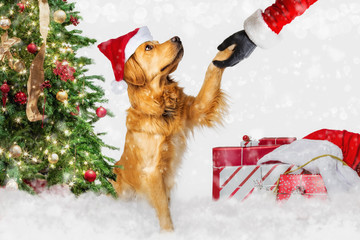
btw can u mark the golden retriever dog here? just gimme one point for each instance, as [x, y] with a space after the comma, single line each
[159, 120]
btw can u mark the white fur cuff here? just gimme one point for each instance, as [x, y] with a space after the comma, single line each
[259, 32]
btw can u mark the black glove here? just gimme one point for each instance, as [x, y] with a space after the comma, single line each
[244, 47]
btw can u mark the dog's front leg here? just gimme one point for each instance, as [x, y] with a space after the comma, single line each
[156, 193]
[207, 107]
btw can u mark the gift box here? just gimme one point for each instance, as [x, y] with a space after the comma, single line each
[276, 141]
[306, 185]
[236, 156]
[239, 182]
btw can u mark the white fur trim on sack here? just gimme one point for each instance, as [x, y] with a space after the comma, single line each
[259, 32]
[143, 35]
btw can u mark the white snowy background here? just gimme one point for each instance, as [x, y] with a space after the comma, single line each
[311, 80]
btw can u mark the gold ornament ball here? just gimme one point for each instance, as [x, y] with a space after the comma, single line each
[5, 23]
[59, 16]
[53, 158]
[15, 151]
[19, 66]
[62, 96]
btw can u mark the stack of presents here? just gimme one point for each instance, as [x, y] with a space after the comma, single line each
[237, 175]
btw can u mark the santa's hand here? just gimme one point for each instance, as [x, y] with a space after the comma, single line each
[244, 47]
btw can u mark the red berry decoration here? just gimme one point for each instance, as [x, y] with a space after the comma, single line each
[74, 20]
[32, 48]
[20, 98]
[90, 175]
[246, 138]
[101, 112]
[21, 7]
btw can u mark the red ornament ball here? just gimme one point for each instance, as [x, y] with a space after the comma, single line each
[101, 112]
[90, 175]
[246, 138]
[32, 48]
[21, 7]
[20, 98]
[5, 88]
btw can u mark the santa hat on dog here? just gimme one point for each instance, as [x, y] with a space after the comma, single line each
[119, 50]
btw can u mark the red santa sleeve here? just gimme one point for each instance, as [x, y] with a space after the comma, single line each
[263, 27]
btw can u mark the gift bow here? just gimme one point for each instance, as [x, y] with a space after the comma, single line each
[5, 46]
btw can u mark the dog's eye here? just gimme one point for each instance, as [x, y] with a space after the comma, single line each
[149, 47]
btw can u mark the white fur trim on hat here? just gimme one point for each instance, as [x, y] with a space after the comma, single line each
[143, 35]
[259, 32]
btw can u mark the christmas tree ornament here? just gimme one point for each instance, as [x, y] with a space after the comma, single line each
[90, 175]
[32, 48]
[246, 138]
[12, 185]
[101, 112]
[21, 7]
[6, 44]
[74, 20]
[15, 151]
[5, 89]
[5, 23]
[19, 66]
[59, 16]
[64, 71]
[20, 98]
[62, 96]
[53, 158]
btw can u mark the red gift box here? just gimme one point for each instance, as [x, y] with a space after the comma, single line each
[236, 156]
[276, 141]
[240, 182]
[306, 185]
[236, 175]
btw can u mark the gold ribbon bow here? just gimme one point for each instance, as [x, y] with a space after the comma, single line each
[5, 46]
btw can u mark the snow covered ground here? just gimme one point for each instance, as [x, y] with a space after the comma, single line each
[310, 81]
[25, 217]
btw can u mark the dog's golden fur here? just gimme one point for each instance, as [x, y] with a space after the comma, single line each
[159, 120]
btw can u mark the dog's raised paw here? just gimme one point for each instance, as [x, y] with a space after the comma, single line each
[223, 55]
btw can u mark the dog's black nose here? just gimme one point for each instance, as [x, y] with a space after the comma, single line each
[175, 39]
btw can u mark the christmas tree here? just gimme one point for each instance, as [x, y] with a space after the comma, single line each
[49, 105]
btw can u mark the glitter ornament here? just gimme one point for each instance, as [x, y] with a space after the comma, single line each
[62, 96]
[53, 158]
[15, 151]
[20, 98]
[5, 23]
[59, 16]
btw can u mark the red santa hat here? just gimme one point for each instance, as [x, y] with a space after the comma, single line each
[119, 50]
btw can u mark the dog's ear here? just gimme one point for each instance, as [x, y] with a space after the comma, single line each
[133, 73]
